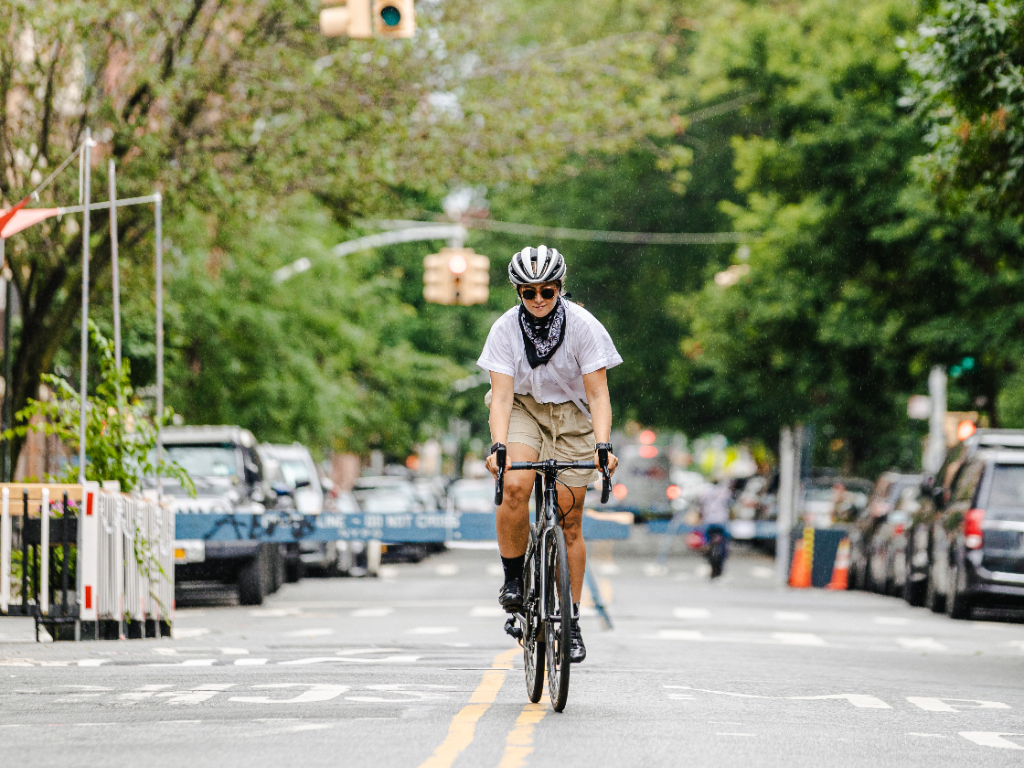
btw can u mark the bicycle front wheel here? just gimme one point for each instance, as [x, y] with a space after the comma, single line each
[533, 639]
[557, 617]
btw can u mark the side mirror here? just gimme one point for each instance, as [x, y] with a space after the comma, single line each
[302, 484]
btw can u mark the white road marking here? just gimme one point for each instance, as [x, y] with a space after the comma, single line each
[860, 700]
[680, 696]
[735, 734]
[196, 695]
[186, 663]
[608, 569]
[185, 633]
[791, 616]
[313, 632]
[92, 662]
[892, 621]
[433, 631]
[930, 704]
[691, 613]
[166, 651]
[680, 634]
[234, 651]
[495, 569]
[372, 613]
[799, 638]
[1018, 644]
[250, 662]
[702, 570]
[488, 611]
[928, 735]
[762, 572]
[992, 739]
[653, 569]
[275, 613]
[447, 569]
[921, 643]
[388, 572]
[395, 659]
[316, 692]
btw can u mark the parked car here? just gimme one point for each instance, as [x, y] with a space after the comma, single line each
[472, 495]
[936, 494]
[393, 494]
[877, 541]
[830, 499]
[977, 549]
[293, 476]
[227, 471]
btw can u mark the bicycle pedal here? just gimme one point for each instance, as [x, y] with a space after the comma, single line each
[513, 629]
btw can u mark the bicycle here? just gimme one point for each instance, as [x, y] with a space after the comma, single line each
[544, 626]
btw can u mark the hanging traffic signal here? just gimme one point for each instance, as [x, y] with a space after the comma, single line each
[395, 18]
[351, 19]
[456, 276]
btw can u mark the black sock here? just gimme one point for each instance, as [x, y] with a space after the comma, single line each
[575, 610]
[513, 567]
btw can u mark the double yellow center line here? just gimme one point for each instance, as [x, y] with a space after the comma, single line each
[518, 743]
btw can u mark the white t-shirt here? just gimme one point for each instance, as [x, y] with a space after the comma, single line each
[586, 348]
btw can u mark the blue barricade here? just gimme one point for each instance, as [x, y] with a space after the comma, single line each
[394, 528]
[742, 530]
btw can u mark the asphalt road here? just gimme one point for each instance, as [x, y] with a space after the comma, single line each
[413, 669]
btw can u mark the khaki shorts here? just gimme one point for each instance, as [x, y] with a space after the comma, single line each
[557, 431]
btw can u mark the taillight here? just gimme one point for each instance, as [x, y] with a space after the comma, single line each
[619, 491]
[973, 534]
[673, 492]
[898, 530]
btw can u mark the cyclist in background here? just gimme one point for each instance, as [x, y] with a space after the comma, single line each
[548, 359]
[714, 509]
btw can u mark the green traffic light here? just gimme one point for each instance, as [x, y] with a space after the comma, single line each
[391, 16]
[967, 363]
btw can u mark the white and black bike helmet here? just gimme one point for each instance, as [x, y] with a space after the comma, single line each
[536, 265]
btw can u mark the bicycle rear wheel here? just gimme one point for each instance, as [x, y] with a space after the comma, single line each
[557, 617]
[533, 639]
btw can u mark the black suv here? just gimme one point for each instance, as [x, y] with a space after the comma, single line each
[968, 537]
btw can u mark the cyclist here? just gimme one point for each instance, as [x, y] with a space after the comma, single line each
[714, 507]
[548, 359]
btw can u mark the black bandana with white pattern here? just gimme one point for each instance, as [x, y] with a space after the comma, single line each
[542, 335]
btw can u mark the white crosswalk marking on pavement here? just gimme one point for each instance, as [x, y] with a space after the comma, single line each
[691, 613]
[921, 643]
[314, 693]
[372, 613]
[791, 616]
[799, 638]
[892, 621]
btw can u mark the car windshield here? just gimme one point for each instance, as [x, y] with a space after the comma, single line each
[1007, 486]
[205, 460]
[294, 471]
[385, 501]
[473, 491]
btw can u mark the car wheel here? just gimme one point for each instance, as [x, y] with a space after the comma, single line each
[958, 604]
[934, 599]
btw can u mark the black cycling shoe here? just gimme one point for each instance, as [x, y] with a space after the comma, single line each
[511, 595]
[577, 650]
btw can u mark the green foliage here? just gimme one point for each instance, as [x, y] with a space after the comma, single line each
[968, 62]
[120, 431]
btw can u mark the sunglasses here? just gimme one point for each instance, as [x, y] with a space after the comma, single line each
[529, 294]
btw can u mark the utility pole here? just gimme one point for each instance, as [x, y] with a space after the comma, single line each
[784, 504]
[935, 451]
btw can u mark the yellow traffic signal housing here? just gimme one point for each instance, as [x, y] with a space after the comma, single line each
[352, 19]
[394, 18]
[456, 276]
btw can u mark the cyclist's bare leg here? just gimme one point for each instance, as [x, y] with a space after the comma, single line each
[574, 544]
[513, 521]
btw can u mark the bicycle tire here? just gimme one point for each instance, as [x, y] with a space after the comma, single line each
[533, 643]
[558, 601]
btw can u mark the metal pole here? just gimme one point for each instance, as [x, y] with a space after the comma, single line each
[936, 450]
[784, 518]
[115, 266]
[7, 414]
[86, 186]
[159, 338]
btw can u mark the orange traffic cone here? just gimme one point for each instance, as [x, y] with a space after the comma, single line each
[841, 570]
[800, 569]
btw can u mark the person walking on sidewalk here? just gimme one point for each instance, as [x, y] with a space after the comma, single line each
[548, 359]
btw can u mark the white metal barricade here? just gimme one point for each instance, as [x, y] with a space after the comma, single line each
[125, 564]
